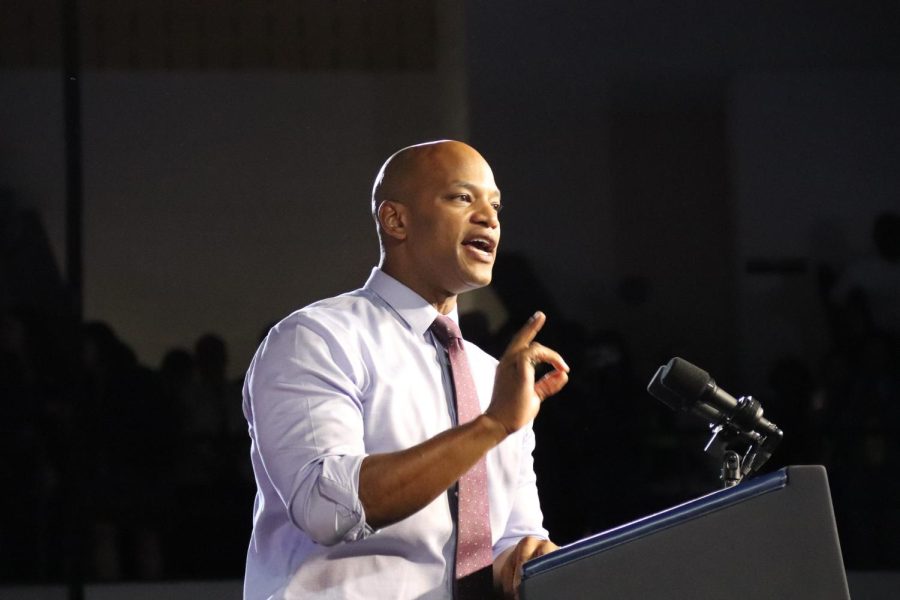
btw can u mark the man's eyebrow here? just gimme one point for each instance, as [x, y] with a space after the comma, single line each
[471, 186]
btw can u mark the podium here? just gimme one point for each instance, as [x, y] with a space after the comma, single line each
[773, 536]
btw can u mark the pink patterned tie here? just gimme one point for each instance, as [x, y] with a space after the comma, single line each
[473, 537]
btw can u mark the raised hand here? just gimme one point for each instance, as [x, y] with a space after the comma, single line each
[517, 396]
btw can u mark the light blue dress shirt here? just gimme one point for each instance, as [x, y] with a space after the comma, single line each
[345, 377]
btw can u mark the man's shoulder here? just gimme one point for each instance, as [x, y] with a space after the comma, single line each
[349, 310]
[333, 323]
[349, 302]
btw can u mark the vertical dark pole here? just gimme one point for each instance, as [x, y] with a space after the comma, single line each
[72, 99]
[75, 546]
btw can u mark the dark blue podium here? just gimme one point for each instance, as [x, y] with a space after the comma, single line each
[769, 537]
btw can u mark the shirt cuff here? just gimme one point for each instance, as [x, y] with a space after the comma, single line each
[334, 512]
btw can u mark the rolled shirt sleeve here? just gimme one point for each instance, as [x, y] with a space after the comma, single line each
[306, 422]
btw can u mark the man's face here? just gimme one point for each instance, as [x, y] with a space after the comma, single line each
[453, 228]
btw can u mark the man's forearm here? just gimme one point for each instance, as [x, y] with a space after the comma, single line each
[395, 485]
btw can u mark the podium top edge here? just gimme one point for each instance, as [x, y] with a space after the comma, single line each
[669, 517]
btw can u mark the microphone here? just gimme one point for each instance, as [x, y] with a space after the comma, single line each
[687, 388]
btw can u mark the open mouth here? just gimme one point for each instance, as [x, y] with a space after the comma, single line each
[482, 244]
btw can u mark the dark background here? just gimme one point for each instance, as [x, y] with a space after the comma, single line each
[699, 181]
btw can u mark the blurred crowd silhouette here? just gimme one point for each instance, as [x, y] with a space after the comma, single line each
[133, 473]
[114, 470]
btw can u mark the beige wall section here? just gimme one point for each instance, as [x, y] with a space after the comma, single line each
[188, 171]
[32, 154]
[225, 186]
[254, 184]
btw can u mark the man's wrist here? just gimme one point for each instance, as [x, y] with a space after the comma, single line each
[493, 428]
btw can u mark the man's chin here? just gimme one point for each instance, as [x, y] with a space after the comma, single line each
[477, 280]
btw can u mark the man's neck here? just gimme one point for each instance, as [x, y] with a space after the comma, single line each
[443, 302]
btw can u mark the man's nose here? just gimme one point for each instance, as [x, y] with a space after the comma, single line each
[486, 214]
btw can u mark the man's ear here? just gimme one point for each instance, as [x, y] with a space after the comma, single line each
[392, 218]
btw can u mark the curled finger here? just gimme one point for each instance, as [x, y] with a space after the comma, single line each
[550, 384]
[539, 354]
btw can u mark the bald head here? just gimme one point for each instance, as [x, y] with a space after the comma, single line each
[403, 174]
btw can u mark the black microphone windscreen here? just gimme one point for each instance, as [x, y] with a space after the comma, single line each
[664, 394]
[684, 379]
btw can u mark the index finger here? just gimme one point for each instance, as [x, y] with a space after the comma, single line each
[528, 332]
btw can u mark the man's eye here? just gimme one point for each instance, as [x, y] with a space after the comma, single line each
[464, 197]
[497, 206]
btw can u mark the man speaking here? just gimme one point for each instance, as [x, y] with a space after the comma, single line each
[393, 458]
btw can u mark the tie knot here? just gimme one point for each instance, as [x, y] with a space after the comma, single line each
[445, 329]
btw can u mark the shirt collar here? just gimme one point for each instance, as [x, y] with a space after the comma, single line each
[412, 308]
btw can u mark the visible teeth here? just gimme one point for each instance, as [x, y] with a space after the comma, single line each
[481, 244]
